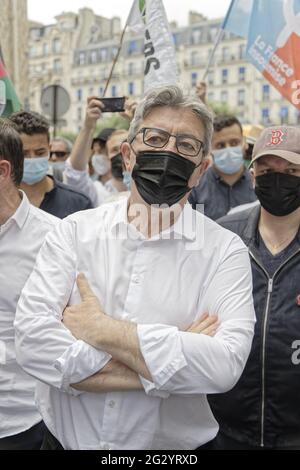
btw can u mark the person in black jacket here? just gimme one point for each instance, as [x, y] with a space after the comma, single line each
[262, 411]
[43, 190]
[227, 183]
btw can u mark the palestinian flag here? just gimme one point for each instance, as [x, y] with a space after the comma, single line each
[9, 102]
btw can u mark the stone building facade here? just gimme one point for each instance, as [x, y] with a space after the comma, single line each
[14, 43]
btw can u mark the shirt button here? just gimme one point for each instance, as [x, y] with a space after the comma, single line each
[112, 404]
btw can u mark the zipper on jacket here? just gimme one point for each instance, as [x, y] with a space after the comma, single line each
[266, 316]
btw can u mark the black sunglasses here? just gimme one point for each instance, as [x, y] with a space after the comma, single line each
[59, 154]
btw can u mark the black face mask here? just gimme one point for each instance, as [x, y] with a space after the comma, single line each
[117, 166]
[162, 177]
[278, 193]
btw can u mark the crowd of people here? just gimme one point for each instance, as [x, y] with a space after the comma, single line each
[149, 281]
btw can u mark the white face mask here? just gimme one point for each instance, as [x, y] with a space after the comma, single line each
[101, 164]
[60, 166]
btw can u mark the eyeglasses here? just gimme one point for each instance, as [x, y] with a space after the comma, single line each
[59, 154]
[158, 138]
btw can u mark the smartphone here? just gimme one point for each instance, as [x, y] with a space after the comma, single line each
[113, 105]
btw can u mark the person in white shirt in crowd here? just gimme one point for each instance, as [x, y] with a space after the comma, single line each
[99, 165]
[162, 311]
[60, 151]
[77, 173]
[22, 231]
[121, 180]
[96, 186]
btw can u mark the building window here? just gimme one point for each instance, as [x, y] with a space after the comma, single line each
[196, 36]
[213, 32]
[103, 55]
[79, 114]
[57, 66]
[81, 58]
[91, 91]
[224, 76]
[94, 57]
[211, 96]
[265, 116]
[46, 49]
[32, 51]
[194, 78]
[114, 90]
[224, 96]
[266, 92]
[79, 94]
[114, 52]
[131, 88]
[225, 54]
[284, 115]
[242, 74]
[241, 98]
[175, 39]
[210, 77]
[133, 47]
[101, 90]
[56, 46]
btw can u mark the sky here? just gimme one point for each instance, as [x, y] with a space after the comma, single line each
[176, 9]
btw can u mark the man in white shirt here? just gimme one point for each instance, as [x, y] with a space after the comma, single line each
[129, 367]
[22, 231]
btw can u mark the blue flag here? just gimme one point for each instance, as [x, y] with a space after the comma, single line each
[272, 30]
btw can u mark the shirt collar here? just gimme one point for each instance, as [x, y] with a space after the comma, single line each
[21, 214]
[184, 226]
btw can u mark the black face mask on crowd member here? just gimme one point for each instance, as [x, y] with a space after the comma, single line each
[278, 193]
[162, 177]
[117, 166]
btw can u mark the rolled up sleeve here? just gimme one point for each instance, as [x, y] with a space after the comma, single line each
[189, 363]
[81, 181]
[45, 348]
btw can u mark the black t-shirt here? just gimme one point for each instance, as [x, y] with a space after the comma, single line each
[272, 262]
[63, 200]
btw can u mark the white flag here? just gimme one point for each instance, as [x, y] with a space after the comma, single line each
[148, 17]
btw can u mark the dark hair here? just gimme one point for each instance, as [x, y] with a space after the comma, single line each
[11, 149]
[30, 123]
[226, 120]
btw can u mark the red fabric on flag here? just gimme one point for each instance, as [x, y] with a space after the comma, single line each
[291, 56]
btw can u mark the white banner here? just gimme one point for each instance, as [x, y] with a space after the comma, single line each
[148, 17]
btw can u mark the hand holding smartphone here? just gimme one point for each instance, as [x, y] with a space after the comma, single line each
[113, 105]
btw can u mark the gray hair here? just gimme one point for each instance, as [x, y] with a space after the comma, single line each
[67, 142]
[173, 96]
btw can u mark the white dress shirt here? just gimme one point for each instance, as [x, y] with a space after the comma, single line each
[21, 238]
[81, 181]
[161, 284]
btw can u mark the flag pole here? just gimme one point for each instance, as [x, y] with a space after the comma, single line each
[219, 38]
[115, 59]
[120, 47]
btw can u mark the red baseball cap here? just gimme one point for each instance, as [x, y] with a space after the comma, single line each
[281, 141]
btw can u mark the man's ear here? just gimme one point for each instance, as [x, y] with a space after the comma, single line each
[196, 176]
[5, 169]
[126, 155]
